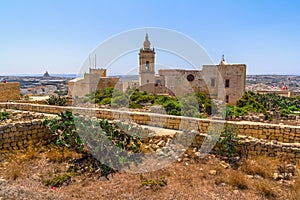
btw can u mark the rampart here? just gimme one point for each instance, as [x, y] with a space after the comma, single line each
[9, 91]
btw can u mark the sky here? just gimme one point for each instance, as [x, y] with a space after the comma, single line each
[59, 35]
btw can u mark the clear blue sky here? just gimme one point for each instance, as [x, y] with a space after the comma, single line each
[58, 35]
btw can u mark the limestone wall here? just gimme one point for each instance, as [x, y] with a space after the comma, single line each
[257, 138]
[9, 91]
[280, 133]
[17, 135]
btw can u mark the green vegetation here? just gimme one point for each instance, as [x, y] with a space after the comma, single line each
[58, 180]
[189, 105]
[4, 116]
[99, 137]
[153, 183]
[228, 141]
[64, 128]
[56, 100]
[263, 103]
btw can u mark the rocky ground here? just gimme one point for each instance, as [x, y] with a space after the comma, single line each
[35, 173]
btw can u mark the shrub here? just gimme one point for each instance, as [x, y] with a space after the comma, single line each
[228, 141]
[4, 115]
[293, 108]
[56, 100]
[285, 113]
[63, 127]
[100, 137]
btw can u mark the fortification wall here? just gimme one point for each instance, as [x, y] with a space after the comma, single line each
[9, 91]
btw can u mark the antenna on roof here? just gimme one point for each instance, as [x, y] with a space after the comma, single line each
[90, 61]
[95, 60]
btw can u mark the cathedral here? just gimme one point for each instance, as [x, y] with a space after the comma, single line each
[225, 82]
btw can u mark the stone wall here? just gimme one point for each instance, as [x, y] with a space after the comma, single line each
[19, 134]
[280, 133]
[250, 146]
[9, 91]
[258, 138]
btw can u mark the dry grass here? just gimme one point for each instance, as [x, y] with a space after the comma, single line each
[238, 179]
[234, 178]
[15, 171]
[295, 190]
[186, 180]
[266, 188]
[60, 154]
[261, 165]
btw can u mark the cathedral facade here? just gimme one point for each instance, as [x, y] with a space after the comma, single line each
[225, 82]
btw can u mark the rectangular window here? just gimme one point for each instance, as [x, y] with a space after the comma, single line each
[227, 99]
[227, 83]
[213, 82]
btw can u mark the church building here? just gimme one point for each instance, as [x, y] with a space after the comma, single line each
[225, 82]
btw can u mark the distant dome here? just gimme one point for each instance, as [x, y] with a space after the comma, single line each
[46, 74]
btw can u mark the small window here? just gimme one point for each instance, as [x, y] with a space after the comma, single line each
[227, 83]
[227, 99]
[147, 65]
[147, 81]
[213, 82]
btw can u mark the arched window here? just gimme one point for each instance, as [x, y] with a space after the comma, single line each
[147, 65]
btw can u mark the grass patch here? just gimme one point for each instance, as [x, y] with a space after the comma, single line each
[58, 180]
[261, 165]
[15, 171]
[153, 183]
[266, 188]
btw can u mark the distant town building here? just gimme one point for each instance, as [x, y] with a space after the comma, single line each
[94, 80]
[46, 75]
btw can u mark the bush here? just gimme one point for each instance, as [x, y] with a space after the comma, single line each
[4, 116]
[56, 100]
[285, 113]
[97, 136]
[63, 127]
[228, 141]
[293, 108]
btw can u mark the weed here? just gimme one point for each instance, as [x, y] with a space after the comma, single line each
[153, 183]
[58, 180]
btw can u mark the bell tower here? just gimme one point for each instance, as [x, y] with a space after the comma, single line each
[146, 66]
